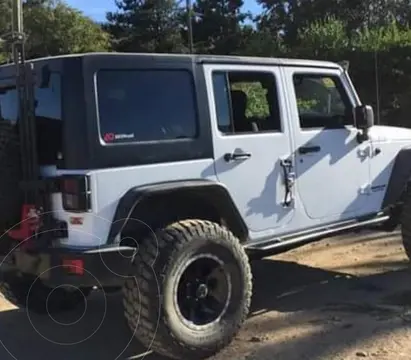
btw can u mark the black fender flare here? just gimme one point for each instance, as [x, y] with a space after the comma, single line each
[399, 178]
[209, 190]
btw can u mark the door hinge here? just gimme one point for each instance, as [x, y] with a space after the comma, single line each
[289, 180]
[364, 152]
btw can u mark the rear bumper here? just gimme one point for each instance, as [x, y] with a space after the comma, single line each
[103, 267]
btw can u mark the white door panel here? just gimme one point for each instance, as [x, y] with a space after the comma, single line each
[332, 167]
[330, 180]
[255, 180]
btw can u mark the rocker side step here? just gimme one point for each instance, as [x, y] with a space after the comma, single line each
[296, 239]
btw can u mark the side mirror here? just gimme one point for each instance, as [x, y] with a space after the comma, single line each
[364, 117]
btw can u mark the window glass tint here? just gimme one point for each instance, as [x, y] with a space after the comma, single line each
[222, 102]
[8, 105]
[47, 101]
[146, 105]
[322, 101]
[48, 113]
[246, 102]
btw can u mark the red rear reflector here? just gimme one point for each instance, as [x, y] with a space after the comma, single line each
[76, 220]
[74, 266]
[30, 223]
[70, 186]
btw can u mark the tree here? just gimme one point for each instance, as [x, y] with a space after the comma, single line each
[218, 26]
[288, 17]
[54, 28]
[146, 26]
[323, 39]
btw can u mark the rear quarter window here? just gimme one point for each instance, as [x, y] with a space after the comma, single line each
[146, 105]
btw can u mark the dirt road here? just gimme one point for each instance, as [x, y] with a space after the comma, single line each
[340, 299]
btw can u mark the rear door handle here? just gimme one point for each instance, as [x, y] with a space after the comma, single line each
[309, 149]
[236, 156]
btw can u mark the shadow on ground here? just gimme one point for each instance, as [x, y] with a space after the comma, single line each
[280, 286]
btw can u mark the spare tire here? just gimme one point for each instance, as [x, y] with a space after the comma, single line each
[11, 175]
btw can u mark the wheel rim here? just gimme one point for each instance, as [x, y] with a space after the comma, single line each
[203, 291]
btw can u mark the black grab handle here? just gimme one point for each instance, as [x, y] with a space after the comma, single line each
[309, 149]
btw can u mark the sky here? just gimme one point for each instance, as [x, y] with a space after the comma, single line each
[97, 9]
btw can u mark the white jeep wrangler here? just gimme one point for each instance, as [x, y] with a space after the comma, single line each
[163, 174]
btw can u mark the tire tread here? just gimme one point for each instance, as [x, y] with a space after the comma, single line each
[174, 237]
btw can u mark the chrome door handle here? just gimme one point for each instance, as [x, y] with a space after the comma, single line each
[236, 156]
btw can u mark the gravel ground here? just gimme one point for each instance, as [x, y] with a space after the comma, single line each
[339, 299]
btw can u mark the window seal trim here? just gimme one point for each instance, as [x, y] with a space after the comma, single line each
[278, 90]
[147, 142]
[339, 84]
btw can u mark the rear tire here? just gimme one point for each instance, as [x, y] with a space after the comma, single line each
[25, 292]
[174, 315]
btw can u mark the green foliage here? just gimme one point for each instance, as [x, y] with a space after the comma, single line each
[257, 105]
[382, 38]
[54, 28]
[217, 26]
[146, 26]
[263, 43]
[325, 38]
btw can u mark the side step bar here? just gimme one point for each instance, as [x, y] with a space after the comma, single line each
[293, 240]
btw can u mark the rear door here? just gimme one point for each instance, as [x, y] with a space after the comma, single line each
[251, 137]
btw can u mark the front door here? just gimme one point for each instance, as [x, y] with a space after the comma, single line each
[251, 137]
[332, 167]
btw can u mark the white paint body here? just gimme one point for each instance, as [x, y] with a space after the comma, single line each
[331, 185]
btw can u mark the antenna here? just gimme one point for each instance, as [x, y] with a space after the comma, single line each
[25, 93]
[17, 37]
[377, 87]
[189, 8]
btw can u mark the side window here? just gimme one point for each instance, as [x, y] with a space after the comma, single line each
[47, 101]
[246, 102]
[322, 101]
[8, 105]
[146, 105]
[48, 113]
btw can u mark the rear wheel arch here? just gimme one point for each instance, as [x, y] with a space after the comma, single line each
[144, 208]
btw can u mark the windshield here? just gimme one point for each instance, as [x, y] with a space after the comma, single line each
[48, 116]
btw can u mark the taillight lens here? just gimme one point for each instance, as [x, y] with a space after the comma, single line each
[75, 191]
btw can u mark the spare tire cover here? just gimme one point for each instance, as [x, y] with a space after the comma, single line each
[10, 176]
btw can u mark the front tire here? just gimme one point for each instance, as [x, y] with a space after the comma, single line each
[191, 290]
[405, 222]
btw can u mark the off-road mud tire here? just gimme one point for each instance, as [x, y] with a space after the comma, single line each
[25, 292]
[148, 295]
[405, 222]
[10, 169]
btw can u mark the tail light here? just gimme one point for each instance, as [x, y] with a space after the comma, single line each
[76, 194]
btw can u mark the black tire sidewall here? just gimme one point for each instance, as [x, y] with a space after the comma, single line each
[228, 325]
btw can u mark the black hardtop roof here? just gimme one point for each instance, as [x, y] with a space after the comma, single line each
[196, 58]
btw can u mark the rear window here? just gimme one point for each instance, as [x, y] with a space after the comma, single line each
[146, 105]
